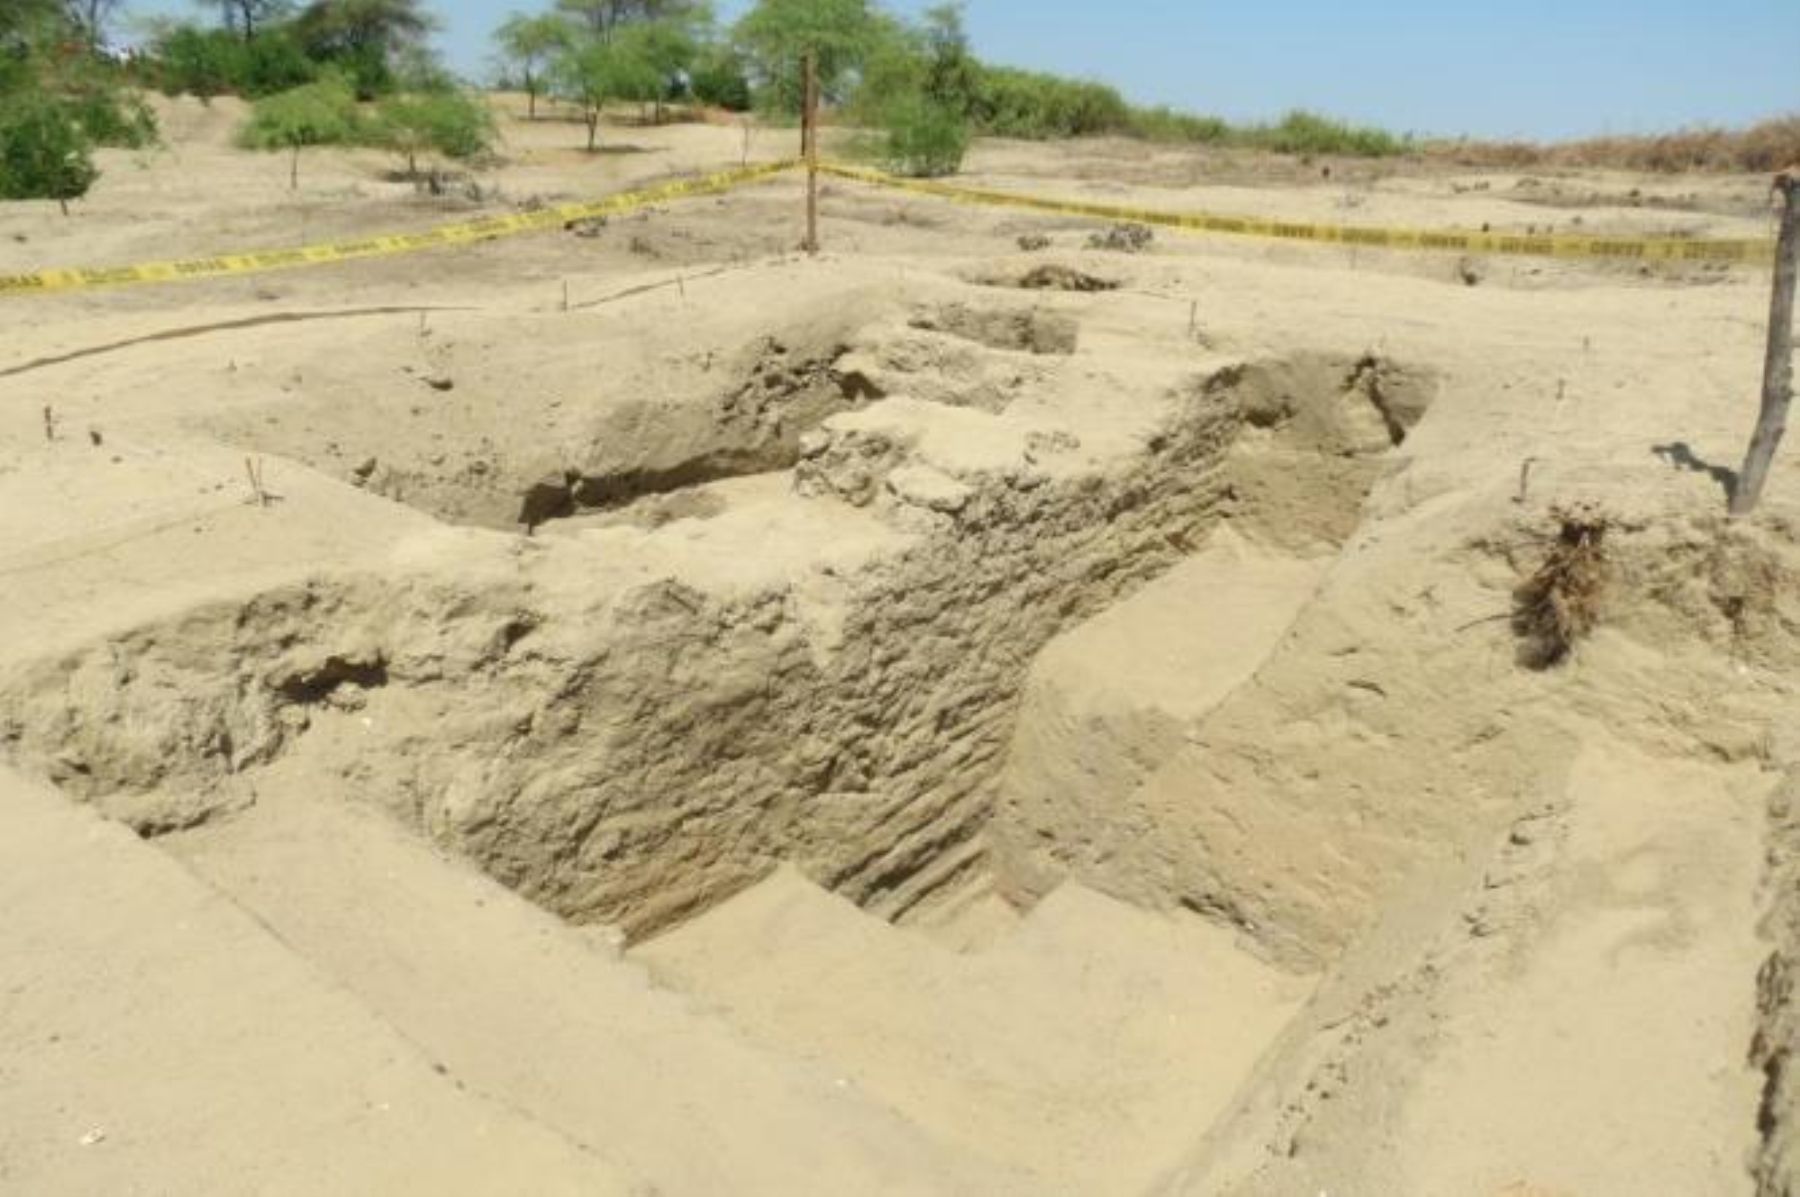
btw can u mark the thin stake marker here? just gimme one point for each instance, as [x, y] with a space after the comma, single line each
[809, 148]
[1778, 365]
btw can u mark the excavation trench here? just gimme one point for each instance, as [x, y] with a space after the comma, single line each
[810, 747]
[628, 740]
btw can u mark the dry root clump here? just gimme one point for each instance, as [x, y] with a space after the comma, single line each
[1560, 602]
[1051, 277]
[1123, 238]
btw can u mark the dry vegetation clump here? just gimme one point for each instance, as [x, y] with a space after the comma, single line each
[1051, 277]
[1560, 602]
[1767, 146]
[1123, 238]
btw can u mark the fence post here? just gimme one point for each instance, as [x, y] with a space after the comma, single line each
[809, 146]
[1778, 366]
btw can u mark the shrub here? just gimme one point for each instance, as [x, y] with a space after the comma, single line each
[923, 138]
[1766, 146]
[112, 117]
[322, 113]
[721, 79]
[1015, 103]
[1166, 124]
[451, 123]
[45, 153]
[1302, 132]
[272, 62]
[198, 62]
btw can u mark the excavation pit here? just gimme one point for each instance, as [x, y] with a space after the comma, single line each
[635, 725]
[638, 720]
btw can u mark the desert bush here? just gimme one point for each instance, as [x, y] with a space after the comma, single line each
[1301, 132]
[273, 62]
[450, 123]
[197, 62]
[1166, 124]
[45, 153]
[720, 78]
[321, 113]
[1765, 147]
[923, 138]
[211, 62]
[112, 116]
[1768, 146]
[1029, 104]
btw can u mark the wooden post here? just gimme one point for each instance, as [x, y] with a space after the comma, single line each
[809, 146]
[1778, 366]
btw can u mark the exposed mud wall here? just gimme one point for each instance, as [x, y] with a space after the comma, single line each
[520, 419]
[1776, 1048]
[1392, 723]
[1317, 434]
[625, 745]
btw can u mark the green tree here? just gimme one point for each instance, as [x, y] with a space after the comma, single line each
[532, 43]
[720, 77]
[777, 34]
[598, 17]
[452, 123]
[199, 62]
[44, 151]
[91, 17]
[668, 48]
[247, 18]
[915, 86]
[322, 113]
[952, 73]
[594, 72]
[25, 22]
[273, 60]
[604, 18]
[365, 37]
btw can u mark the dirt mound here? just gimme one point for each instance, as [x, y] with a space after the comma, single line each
[1051, 277]
[1032, 331]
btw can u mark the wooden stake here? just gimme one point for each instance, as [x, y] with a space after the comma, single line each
[1778, 365]
[258, 494]
[809, 148]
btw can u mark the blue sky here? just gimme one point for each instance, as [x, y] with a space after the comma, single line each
[1529, 68]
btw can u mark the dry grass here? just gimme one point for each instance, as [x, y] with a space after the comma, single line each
[1560, 602]
[1762, 148]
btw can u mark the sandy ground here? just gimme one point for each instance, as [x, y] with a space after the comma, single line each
[1247, 860]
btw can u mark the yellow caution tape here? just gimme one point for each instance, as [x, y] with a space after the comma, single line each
[1551, 245]
[385, 245]
[1558, 245]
